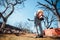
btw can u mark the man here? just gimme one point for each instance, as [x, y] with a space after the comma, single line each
[37, 21]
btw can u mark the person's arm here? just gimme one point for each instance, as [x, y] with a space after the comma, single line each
[30, 19]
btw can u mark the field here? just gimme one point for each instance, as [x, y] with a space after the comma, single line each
[24, 37]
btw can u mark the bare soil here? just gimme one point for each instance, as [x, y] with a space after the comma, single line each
[24, 37]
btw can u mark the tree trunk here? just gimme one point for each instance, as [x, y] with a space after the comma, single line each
[3, 24]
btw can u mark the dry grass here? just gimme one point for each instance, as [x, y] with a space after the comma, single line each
[23, 37]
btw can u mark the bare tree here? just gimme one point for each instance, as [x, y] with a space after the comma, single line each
[25, 26]
[49, 20]
[52, 5]
[11, 6]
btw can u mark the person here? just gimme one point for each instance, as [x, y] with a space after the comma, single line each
[37, 22]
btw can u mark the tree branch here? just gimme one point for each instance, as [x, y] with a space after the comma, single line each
[18, 2]
[13, 6]
[5, 10]
[7, 2]
[48, 2]
[11, 11]
[1, 15]
[57, 1]
[47, 8]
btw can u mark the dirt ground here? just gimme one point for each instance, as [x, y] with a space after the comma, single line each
[24, 37]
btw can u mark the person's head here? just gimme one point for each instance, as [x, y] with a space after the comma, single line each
[39, 13]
